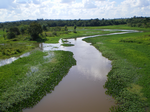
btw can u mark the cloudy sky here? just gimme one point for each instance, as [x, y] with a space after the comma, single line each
[12, 10]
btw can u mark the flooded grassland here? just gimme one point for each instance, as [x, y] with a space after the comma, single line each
[27, 80]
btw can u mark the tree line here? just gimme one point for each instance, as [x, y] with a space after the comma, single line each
[134, 21]
[36, 27]
[143, 22]
[34, 31]
[62, 23]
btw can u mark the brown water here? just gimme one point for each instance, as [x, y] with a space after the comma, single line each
[81, 90]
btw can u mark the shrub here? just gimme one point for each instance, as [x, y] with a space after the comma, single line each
[11, 35]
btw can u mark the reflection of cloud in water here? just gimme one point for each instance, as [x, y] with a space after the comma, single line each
[93, 73]
[96, 68]
[90, 62]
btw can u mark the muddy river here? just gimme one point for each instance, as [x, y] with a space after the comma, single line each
[81, 90]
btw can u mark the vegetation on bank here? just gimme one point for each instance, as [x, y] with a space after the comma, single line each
[133, 22]
[27, 37]
[129, 80]
[67, 44]
[50, 31]
[24, 82]
[12, 49]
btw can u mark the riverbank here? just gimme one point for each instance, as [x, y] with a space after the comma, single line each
[12, 48]
[81, 31]
[128, 81]
[24, 82]
[27, 79]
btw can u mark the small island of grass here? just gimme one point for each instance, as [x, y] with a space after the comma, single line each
[67, 45]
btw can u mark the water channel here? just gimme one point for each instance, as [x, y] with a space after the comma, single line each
[81, 90]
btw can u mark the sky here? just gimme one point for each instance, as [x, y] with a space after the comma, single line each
[14, 10]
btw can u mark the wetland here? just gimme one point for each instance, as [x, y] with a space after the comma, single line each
[70, 75]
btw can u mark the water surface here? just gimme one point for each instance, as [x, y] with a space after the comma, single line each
[10, 60]
[81, 90]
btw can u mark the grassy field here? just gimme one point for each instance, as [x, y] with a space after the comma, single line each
[9, 48]
[129, 80]
[22, 44]
[24, 82]
[81, 31]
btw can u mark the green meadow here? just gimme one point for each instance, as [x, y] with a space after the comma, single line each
[22, 43]
[81, 31]
[129, 80]
[24, 82]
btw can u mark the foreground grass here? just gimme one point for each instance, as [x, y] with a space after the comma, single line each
[129, 80]
[24, 82]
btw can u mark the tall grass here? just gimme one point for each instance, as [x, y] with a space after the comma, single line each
[128, 81]
[24, 82]
[15, 49]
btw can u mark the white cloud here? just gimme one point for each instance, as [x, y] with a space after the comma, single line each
[135, 8]
[89, 4]
[11, 10]
[36, 1]
[28, 1]
[22, 1]
[7, 4]
[67, 1]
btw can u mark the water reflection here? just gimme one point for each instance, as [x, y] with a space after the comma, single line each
[10, 60]
[87, 57]
[82, 88]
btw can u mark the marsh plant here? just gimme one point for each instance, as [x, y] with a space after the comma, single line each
[26, 81]
[128, 81]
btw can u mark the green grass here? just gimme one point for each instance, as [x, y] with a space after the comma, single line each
[88, 31]
[11, 49]
[67, 45]
[125, 27]
[24, 82]
[129, 80]
[47, 37]
[1, 36]
[81, 31]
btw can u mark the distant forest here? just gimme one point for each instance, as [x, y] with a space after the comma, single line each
[133, 22]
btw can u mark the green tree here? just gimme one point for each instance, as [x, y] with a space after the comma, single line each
[44, 28]
[22, 30]
[75, 28]
[34, 30]
[11, 35]
[66, 29]
[3, 29]
[15, 30]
